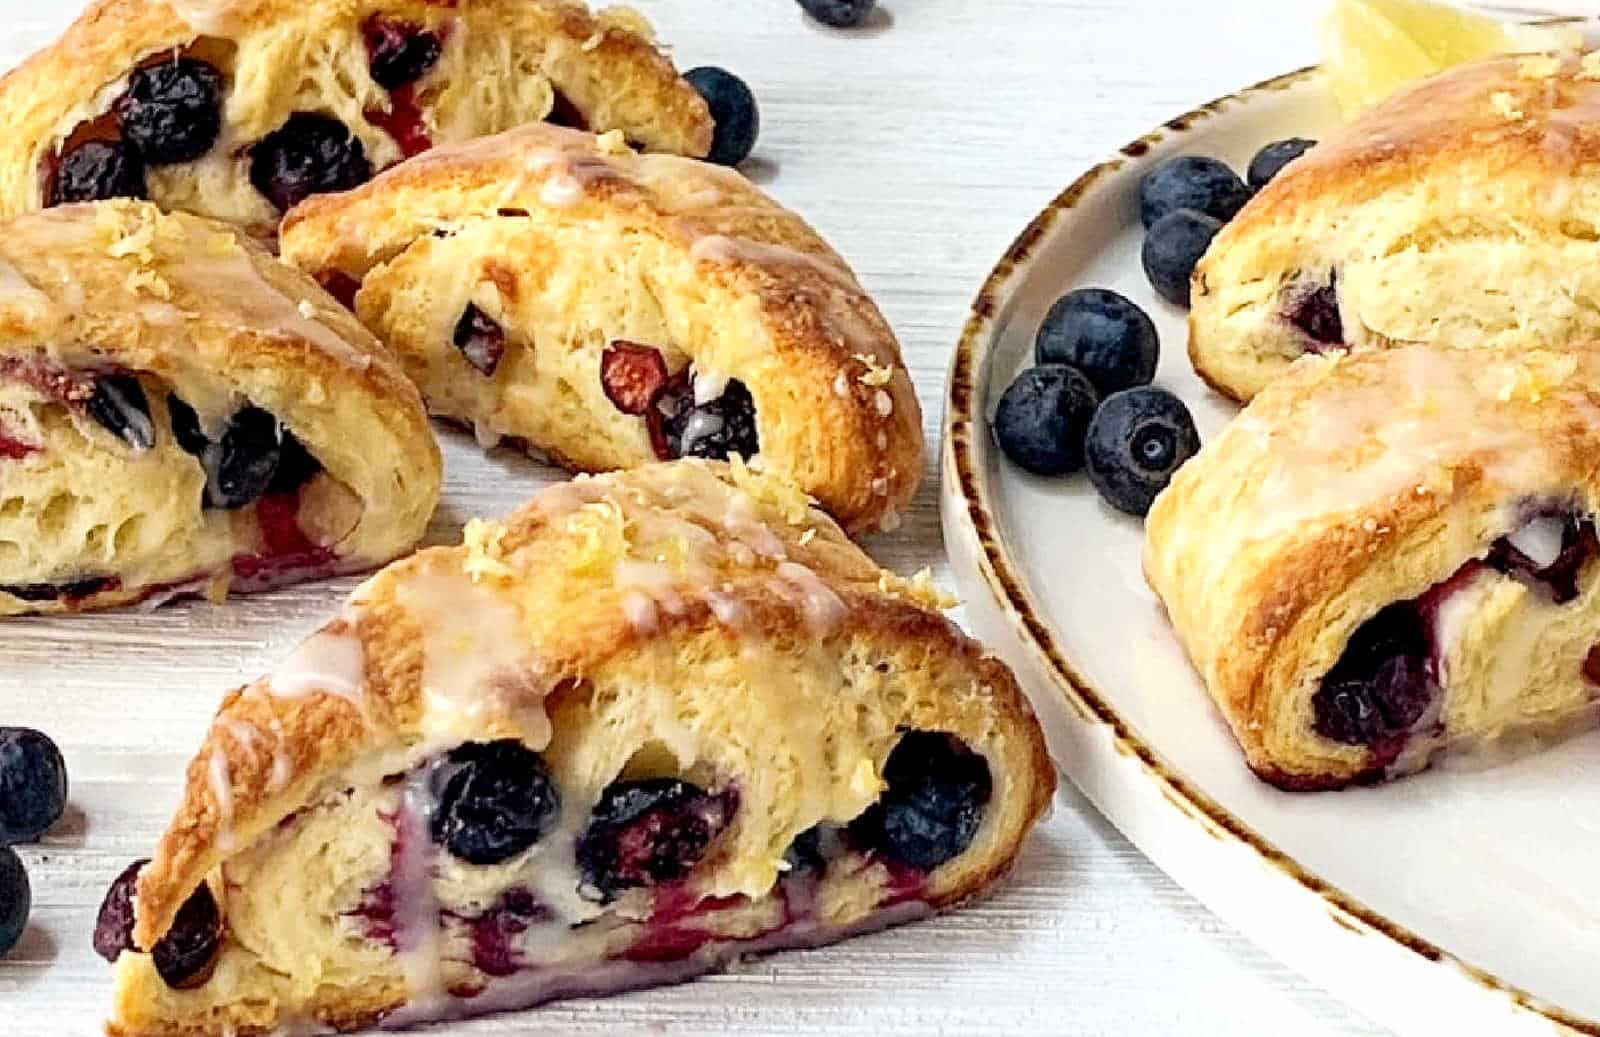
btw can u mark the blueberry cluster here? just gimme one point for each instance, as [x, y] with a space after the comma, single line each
[33, 795]
[185, 956]
[171, 112]
[635, 379]
[1089, 404]
[1183, 203]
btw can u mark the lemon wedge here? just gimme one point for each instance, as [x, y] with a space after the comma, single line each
[1371, 48]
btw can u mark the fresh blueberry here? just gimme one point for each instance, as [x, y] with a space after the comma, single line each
[1559, 578]
[840, 14]
[185, 956]
[1314, 309]
[186, 430]
[481, 341]
[296, 465]
[310, 154]
[400, 52]
[1043, 417]
[1173, 247]
[733, 108]
[33, 785]
[937, 791]
[16, 899]
[1380, 687]
[1104, 335]
[242, 465]
[642, 833]
[495, 799]
[1138, 438]
[716, 429]
[120, 407]
[1270, 160]
[172, 112]
[1191, 182]
[113, 927]
[99, 169]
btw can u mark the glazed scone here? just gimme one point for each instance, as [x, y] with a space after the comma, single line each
[182, 414]
[654, 721]
[613, 309]
[1391, 553]
[237, 109]
[1462, 211]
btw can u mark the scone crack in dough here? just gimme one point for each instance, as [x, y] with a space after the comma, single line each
[642, 726]
[1460, 212]
[611, 309]
[1391, 554]
[177, 416]
[237, 111]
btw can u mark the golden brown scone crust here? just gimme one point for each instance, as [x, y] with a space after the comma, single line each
[504, 62]
[1355, 482]
[1461, 211]
[775, 641]
[198, 311]
[570, 242]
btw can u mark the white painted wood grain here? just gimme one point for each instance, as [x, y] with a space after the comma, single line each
[920, 147]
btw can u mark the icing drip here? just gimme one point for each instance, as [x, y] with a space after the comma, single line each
[211, 17]
[824, 609]
[221, 779]
[418, 937]
[330, 662]
[475, 660]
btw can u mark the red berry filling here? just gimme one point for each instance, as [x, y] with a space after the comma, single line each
[633, 376]
[403, 121]
[285, 546]
[13, 449]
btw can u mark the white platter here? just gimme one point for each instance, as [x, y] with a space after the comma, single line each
[1459, 901]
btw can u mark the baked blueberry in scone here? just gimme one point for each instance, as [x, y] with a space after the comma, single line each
[239, 109]
[1462, 212]
[1390, 554]
[652, 722]
[182, 414]
[613, 309]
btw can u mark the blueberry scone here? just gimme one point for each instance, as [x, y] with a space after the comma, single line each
[613, 309]
[1463, 211]
[182, 414]
[652, 722]
[238, 109]
[1392, 553]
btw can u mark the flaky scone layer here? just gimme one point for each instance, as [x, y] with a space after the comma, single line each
[687, 619]
[502, 63]
[197, 313]
[1463, 211]
[571, 243]
[1356, 482]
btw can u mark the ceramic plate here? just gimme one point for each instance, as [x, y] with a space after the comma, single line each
[1458, 901]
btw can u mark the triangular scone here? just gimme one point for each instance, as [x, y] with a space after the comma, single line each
[1390, 554]
[1463, 211]
[181, 413]
[237, 109]
[614, 309]
[653, 721]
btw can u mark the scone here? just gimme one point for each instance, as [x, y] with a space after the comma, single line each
[1463, 211]
[1391, 553]
[654, 721]
[613, 309]
[238, 109]
[182, 414]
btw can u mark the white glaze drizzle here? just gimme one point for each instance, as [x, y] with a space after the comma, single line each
[328, 662]
[221, 781]
[417, 933]
[211, 17]
[708, 385]
[824, 610]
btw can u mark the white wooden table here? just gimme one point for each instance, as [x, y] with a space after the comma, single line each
[920, 148]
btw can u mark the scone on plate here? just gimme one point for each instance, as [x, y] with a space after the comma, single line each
[182, 414]
[1462, 211]
[1392, 553]
[238, 109]
[613, 309]
[654, 721]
